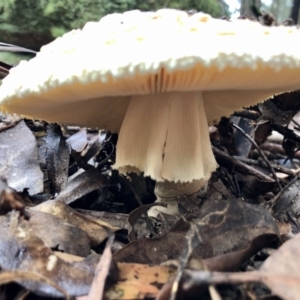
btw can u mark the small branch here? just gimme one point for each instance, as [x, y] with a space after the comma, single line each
[229, 162]
[260, 163]
[276, 150]
[260, 152]
[198, 278]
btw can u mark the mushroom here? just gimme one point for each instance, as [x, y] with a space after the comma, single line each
[159, 79]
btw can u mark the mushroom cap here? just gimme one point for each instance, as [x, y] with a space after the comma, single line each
[87, 77]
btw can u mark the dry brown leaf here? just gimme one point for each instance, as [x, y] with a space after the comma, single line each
[18, 156]
[21, 250]
[232, 231]
[284, 264]
[81, 185]
[288, 203]
[117, 220]
[137, 280]
[95, 228]
[57, 158]
[54, 232]
[23, 276]
[280, 272]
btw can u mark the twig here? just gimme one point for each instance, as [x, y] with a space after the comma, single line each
[198, 278]
[259, 151]
[264, 165]
[227, 161]
[276, 150]
[102, 271]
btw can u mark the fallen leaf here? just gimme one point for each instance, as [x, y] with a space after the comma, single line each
[81, 185]
[57, 158]
[22, 250]
[57, 234]
[18, 156]
[78, 140]
[136, 281]
[288, 202]
[231, 231]
[95, 228]
[284, 265]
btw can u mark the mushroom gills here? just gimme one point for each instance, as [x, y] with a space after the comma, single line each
[166, 136]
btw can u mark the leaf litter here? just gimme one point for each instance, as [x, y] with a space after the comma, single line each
[71, 226]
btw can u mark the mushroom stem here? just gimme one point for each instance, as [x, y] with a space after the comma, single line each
[166, 136]
[170, 190]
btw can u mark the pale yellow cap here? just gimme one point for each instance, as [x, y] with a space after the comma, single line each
[97, 76]
[88, 75]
